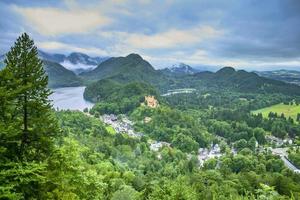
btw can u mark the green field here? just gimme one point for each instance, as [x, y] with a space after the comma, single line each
[287, 110]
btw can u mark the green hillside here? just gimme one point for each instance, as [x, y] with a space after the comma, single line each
[60, 76]
[228, 78]
[113, 97]
[126, 69]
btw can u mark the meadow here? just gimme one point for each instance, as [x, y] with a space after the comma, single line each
[287, 110]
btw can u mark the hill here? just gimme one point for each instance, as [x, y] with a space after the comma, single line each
[133, 68]
[113, 97]
[228, 78]
[76, 61]
[127, 69]
[60, 76]
[289, 76]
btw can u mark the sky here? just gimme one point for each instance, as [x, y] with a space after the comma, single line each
[247, 34]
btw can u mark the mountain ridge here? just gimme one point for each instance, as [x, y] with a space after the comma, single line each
[75, 61]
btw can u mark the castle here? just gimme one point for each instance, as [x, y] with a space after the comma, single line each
[151, 101]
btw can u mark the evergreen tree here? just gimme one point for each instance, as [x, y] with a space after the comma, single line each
[33, 109]
[27, 123]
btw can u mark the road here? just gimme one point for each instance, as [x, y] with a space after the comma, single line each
[283, 155]
[289, 164]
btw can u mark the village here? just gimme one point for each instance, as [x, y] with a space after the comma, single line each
[123, 125]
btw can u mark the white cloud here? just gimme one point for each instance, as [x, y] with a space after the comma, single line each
[173, 38]
[54, 21]
[63, 47]
[162, 40]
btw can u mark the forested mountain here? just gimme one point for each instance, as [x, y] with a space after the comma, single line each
[126, 69]
[230, 79]
[134, 68]
[289, 76]
[60, 76]
[76, 61]
[51, 57]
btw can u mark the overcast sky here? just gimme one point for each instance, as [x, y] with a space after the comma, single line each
[249, 34]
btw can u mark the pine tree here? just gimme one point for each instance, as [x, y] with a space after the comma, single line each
[33, 109]
[27, 123]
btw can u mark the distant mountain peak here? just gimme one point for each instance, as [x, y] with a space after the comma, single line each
[182, 68]
[76, 61]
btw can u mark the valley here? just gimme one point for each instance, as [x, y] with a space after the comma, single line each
[124, 127]
[149, 100]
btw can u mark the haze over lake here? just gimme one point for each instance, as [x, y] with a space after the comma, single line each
[69, 98]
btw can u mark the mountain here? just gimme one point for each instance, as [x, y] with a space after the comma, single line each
[77, 62]
[182, 68]
[60, 76]
[240, 80]
[125, 69]
[288, 76]
[58, 58]
[133, 68]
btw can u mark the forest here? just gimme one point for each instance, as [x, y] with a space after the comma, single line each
[50, 154]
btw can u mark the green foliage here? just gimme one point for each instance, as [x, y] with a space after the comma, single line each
[294, 157]
[90, 161]
[171, 125]
[132, 68]
[115, 98]
[60, 76]
[27, 124]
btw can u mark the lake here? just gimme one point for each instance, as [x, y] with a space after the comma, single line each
[69, 98]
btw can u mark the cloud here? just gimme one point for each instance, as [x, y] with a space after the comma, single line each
[54, 21]
[63, 47]
[240, 33]
[173, 38]
[163, 40]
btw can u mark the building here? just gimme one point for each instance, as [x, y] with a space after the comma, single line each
[151, 101]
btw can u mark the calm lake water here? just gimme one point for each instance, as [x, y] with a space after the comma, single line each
[69, 98]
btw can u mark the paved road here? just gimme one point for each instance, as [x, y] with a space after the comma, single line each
[283, 155]
[289, 164]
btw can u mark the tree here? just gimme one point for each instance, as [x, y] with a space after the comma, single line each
[260, 135]
[26, 118]
[126, 193]
[240, 144]
[185, 143]
[252, 143]
[33, 109]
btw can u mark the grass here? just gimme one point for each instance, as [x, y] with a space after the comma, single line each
[110, 130]
[287, 110]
